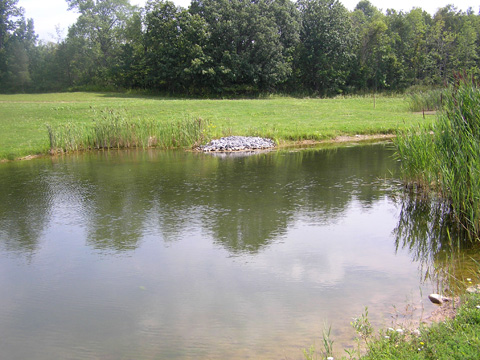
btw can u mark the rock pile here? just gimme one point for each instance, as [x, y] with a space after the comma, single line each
[238, 143]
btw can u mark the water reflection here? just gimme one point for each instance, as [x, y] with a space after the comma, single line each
[25, 206]
[180, 255]
[426, 227]
[244, 203]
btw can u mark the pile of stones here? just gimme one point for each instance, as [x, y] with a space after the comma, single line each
[237, 143]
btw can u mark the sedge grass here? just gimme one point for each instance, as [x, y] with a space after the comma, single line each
[285, 119]
[445, 155]
[112, 129]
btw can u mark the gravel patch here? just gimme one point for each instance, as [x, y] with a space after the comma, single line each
[237, 143]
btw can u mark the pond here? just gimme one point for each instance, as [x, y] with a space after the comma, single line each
[177, 255]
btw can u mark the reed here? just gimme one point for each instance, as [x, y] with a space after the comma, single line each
[425, 100]
[112, 129]
[445, 155]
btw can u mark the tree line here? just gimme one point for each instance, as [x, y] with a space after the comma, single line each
[238, 47]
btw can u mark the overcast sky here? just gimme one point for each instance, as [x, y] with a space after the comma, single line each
[49, 14]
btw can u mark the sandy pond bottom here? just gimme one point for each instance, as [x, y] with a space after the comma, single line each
[172, 255]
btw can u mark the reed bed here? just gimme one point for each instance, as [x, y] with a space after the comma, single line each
[445, 155]
[425, 100]
[112, 129]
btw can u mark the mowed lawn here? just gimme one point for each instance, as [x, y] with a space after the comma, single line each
[23, 118]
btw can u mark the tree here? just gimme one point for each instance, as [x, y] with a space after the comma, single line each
[9, 12]
[419, 22]
[17, 43]
[441, 44]
[245, 43]
[378, 66]
[130, 68]
[326, 50]
[367, 9]
[174, 47]
[466, 54]
[97, 37]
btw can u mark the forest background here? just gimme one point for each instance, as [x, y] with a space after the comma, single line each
[223, 48]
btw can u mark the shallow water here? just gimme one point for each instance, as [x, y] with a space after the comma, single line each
[174, 255]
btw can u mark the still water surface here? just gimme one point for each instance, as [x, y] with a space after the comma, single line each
[174, 255]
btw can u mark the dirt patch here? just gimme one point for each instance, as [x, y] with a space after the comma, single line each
[362, 138]
[426, 112]
[28, 157]
[447, 310]
[342, 139]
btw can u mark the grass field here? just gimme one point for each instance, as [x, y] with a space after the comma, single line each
[23, 118]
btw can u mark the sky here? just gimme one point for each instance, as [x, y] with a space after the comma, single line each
[50, 15]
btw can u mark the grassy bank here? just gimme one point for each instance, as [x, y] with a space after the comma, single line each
[454, 334]
[23, 129]
[457, 338]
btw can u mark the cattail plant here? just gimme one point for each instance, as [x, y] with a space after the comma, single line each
[445, 155]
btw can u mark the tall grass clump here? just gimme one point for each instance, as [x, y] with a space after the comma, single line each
[445, 156]
[425, 100]
[112, 129]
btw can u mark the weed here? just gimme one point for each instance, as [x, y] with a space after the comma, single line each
[362, 326]
[327, 353]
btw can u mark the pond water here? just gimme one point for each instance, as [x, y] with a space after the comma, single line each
[175, 255]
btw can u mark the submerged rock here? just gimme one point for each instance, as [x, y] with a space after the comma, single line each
[237, 143]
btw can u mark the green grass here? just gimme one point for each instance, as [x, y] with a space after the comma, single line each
[23, 119]
[451, 339]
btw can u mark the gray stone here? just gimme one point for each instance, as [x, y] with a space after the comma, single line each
[436, 299]
[237, 143]
[474, 289]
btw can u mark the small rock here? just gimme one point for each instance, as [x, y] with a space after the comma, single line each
[436, 299]
[474, 289]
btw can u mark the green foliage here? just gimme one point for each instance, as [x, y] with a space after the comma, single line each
[239, 48]
[362, 326]
[445, 155]
[95, 41]
[248, 47]
[17, 42]
[326, 46]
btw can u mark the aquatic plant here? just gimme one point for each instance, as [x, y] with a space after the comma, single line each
[113, 129]
[444, 155]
